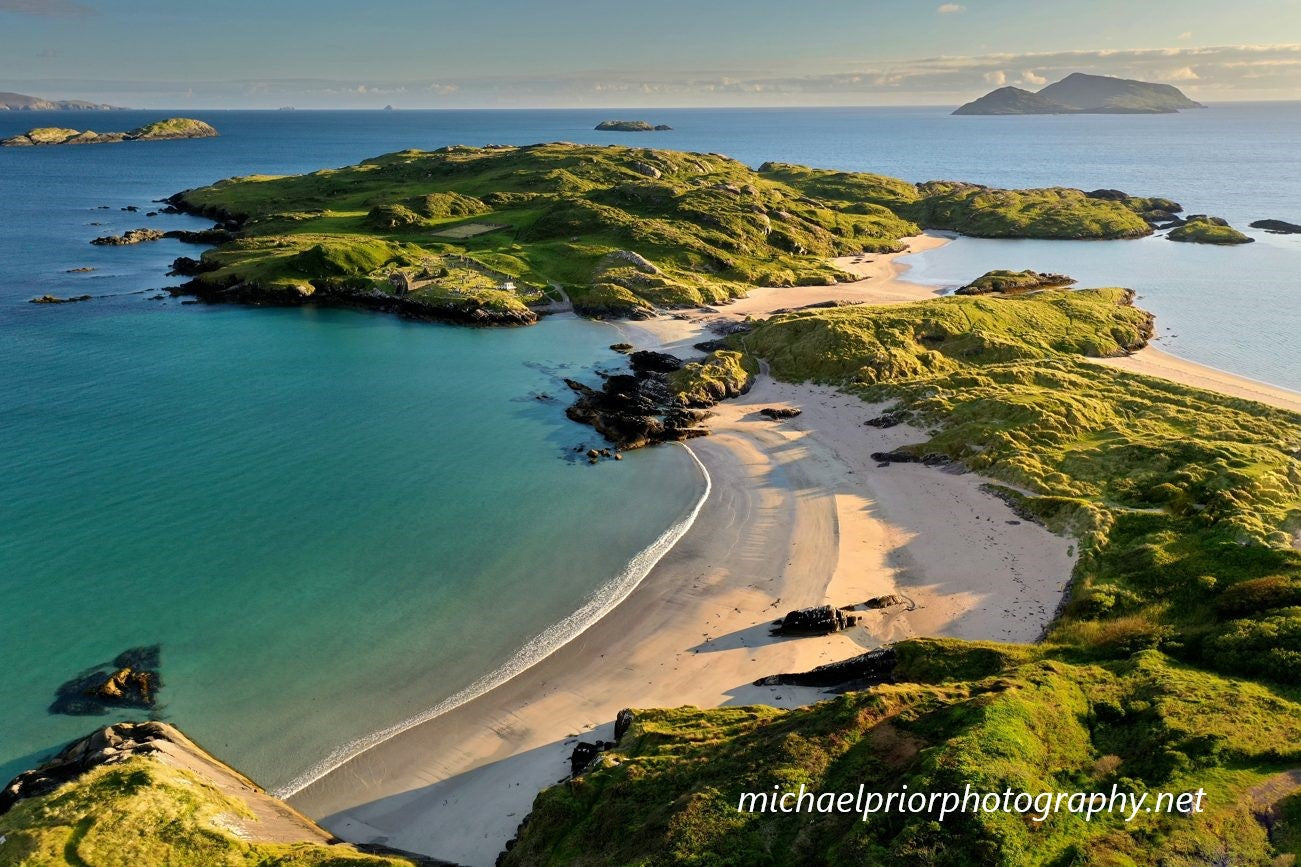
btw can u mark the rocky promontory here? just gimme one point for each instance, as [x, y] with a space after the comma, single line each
[172, 128]
[631, 126]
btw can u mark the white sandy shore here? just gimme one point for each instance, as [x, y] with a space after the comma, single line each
[1153, 362]
[799, 515]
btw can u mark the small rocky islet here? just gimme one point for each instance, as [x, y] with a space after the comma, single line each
[631, 126]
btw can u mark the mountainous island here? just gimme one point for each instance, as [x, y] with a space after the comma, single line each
[1081, 93]
[22, 102]
[171, 128]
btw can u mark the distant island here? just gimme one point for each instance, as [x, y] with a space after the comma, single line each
[23, 102]
[172, 128]
[1080, 93]
[631, 126]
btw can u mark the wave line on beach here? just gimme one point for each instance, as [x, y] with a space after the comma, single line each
[545, 643]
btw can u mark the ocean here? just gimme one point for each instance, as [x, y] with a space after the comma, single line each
[334, 522]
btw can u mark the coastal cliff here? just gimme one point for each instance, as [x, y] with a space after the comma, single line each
[143, 793]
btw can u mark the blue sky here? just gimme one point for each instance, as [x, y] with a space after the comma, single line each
[431, 53]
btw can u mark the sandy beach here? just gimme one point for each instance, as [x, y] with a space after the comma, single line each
[1153, 362]
[799, 515]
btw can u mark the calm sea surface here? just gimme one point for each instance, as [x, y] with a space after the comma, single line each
[334, 521]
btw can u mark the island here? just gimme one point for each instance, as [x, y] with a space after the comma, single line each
[630, 126]
[1081, 93]
[1000, 281]
[494, 235]
[171, 128]
[23, 102]
[1202, 229]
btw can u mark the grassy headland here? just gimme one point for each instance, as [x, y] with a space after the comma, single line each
[620, 230]
[1174, 664]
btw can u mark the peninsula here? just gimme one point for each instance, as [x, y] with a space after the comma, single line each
[1080, 93]
[22, 102]
[171, 128]
[493, 235]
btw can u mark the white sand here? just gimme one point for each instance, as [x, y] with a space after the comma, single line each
[799, 515]
[1153, 362]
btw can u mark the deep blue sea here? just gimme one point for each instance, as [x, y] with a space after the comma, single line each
[333, 521]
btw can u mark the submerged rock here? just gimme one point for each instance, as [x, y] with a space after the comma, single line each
[55, 299]
[1277, 227]
[130, 680]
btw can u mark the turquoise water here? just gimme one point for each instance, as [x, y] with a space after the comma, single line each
[333, 521]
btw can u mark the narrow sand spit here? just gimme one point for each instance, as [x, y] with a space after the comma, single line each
[799, 515]
[1153, 362]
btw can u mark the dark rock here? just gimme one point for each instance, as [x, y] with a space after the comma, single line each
[654, 362]
[108, 746]
[886, 420]
[583, 755]
[623, 722]
[1277, 227]
[1203, 218]
[215, 235]
[873, 667]
[85, 269]
[819, 620]
[931, 459]
[184, 266]
[134, 236]
[1108, 195]
[55, 299]
[624, 348]
[130, 680]
[776, 412]
[888, 601]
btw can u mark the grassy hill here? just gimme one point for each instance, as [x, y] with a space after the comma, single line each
[621, 230]
[1174, 665]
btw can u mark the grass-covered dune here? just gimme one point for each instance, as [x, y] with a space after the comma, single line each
[1174, 664]
[620, 230]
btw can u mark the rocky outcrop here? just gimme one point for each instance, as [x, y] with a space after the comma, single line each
[172, 128]
[130, 680]
[1277, 227]
[1204, 229]
[55, 299]
[630, 126]
[622, 722]
[778, 412]
[1014, 281]
[818, 620]
[873, 667]
[584, 754]
[637, 409]
[134, 236]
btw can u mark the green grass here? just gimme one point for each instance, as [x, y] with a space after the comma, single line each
[722, 375]
[143, 812]
[865, 344]
[1175, 664]
[1204, 231]
[1002, 281]
[668, 794]
[709, 226]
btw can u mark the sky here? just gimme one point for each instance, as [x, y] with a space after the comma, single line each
[621, 53]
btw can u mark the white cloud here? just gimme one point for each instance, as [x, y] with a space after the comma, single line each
[951, 8]
[1030, 77]
[996, 77]
[1187, 34]
[1183, 73]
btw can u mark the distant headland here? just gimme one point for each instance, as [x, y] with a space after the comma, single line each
[172, 128]
[23, 102]
[1080, 93]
